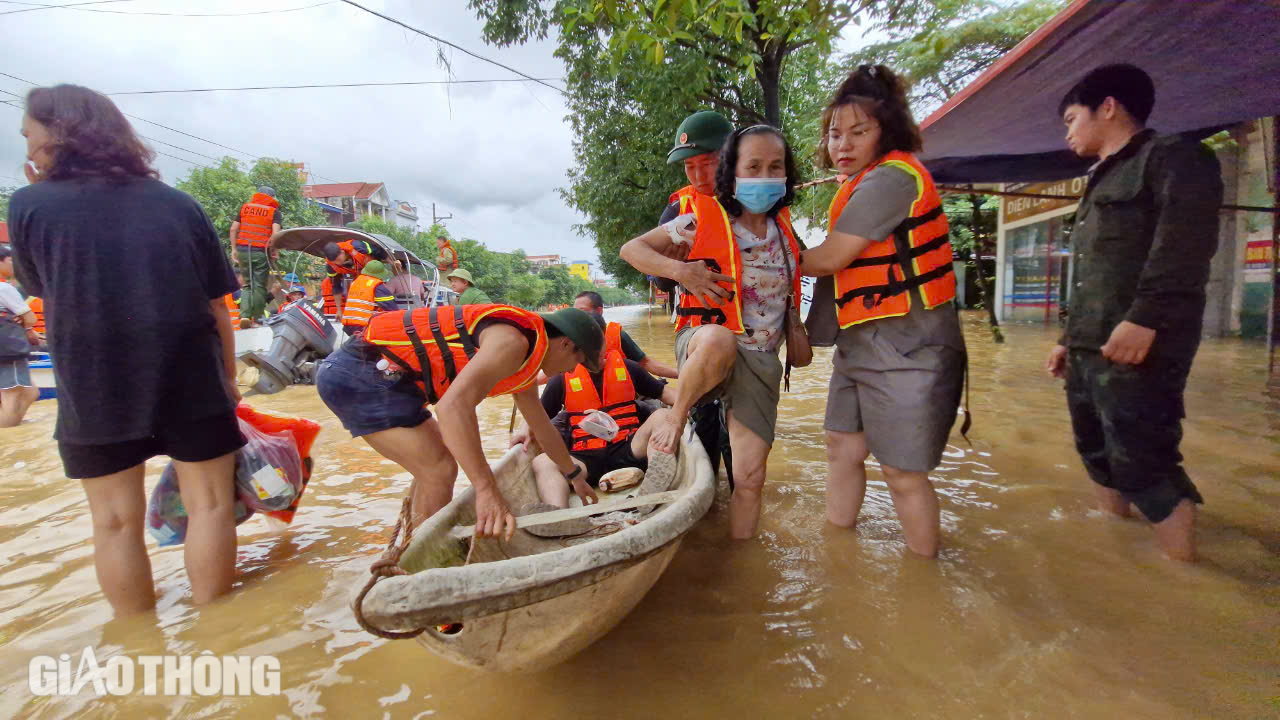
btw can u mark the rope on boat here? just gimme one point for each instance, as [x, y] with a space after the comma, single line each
[387, 566]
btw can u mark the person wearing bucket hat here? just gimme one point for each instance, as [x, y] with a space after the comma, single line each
[463, 284]
[381, 382]
[367, 296]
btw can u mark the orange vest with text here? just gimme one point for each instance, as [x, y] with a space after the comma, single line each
[255, 220]
[434, 344]
[37, 306]
[361, 303]
[684, 196]
[233, 307]
[715, 245]
[917, 254]
[581, 396]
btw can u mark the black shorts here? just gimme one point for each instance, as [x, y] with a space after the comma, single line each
[601, 462]
[194, 441]
[366, 399]
[1127, 422]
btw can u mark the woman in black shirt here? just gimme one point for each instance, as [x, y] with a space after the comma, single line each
[133, 275]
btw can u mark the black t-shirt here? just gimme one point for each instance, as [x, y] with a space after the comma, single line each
[647, 386]
[127, 271]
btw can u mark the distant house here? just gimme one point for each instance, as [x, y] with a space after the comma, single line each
[355, 200]
[538, 262]
[581, 268]
[405, 215]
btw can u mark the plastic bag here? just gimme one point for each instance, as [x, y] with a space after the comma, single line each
[271, 473]
[599, 424]
[166, 516]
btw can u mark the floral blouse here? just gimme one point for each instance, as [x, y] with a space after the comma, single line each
[764, 287]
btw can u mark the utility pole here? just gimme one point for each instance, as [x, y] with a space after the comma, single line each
[437, 218]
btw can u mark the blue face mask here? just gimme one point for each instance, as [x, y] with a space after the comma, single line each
[758, 195]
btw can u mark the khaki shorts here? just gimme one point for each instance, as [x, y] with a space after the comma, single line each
[902, 390]
[751, 391]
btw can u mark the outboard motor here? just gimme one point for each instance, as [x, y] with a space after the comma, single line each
[300, 339]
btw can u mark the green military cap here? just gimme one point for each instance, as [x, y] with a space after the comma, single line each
[582, 330]
[463, 274]
[702, 132]
[374, 268]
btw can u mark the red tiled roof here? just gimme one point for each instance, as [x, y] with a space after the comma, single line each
[358, 190]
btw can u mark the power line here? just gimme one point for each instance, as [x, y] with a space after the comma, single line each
[46, 7]
[329, 85]
[42, 6]
[459, 48]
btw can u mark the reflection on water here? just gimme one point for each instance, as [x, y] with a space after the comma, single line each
[1038, 607]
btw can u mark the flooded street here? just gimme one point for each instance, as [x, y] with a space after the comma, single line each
[1038, 607]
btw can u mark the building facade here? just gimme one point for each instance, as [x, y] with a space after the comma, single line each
[581, 268]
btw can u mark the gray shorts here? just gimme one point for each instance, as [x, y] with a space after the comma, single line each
[751, 391]
[900, 389]
[15, 373]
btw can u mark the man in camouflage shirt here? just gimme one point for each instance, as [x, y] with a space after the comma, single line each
[1145, 232]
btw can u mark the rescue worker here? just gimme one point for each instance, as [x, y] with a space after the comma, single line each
[697, 148]
[367, 296]
[465, 286]
[345, 259]
[232, 301]
[615, 389]
[380, 383]
[899, 365]
[446, 255]
[251, 232]
[737, 285]
[589, 301]
[295, 293]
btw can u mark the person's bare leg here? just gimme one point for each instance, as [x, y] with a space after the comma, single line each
[750, 455]
[1111, 501]
[208, 493]
[118, 506]
[640, 440]
[421, 451]
[1177, 533]
[712, 351]
[917, 507]
[553, 488]
[846, 477]
[14, 403]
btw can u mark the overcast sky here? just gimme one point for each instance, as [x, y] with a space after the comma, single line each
[492, 154]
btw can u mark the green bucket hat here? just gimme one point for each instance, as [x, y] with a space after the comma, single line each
[460, 273]
[700, 133]
[375, 268]
[582, 330]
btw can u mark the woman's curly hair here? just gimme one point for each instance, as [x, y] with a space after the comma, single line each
[882, 95]
[726, 172]
[91, 138]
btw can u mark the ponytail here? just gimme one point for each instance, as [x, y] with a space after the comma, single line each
[882, 94]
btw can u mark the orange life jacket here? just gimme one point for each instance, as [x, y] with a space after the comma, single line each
[917, 253]
[37, 307]
[434, 344]
[715, 245]
[332, 303]
[358, 260]
[255, 220]
[362, 302]
[233, 307]
[684, 196]
[581, 396]
[447, 264]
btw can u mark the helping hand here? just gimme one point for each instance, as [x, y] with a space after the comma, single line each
[1056, 365]
[493, 517]
[698, 279]
[1129, 344]
[584, 491]
[520, 437]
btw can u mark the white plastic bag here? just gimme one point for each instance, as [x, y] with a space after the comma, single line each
[268, 470]
[600, 424]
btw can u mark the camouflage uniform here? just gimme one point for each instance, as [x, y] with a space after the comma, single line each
[1145, 233]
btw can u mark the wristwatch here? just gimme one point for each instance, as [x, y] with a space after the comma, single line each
[577, 470]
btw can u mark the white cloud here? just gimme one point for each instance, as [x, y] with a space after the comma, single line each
[492, 155]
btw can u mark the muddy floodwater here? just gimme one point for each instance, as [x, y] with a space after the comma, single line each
[1038, 607]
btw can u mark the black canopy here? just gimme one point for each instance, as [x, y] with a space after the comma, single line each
[1215, 63]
